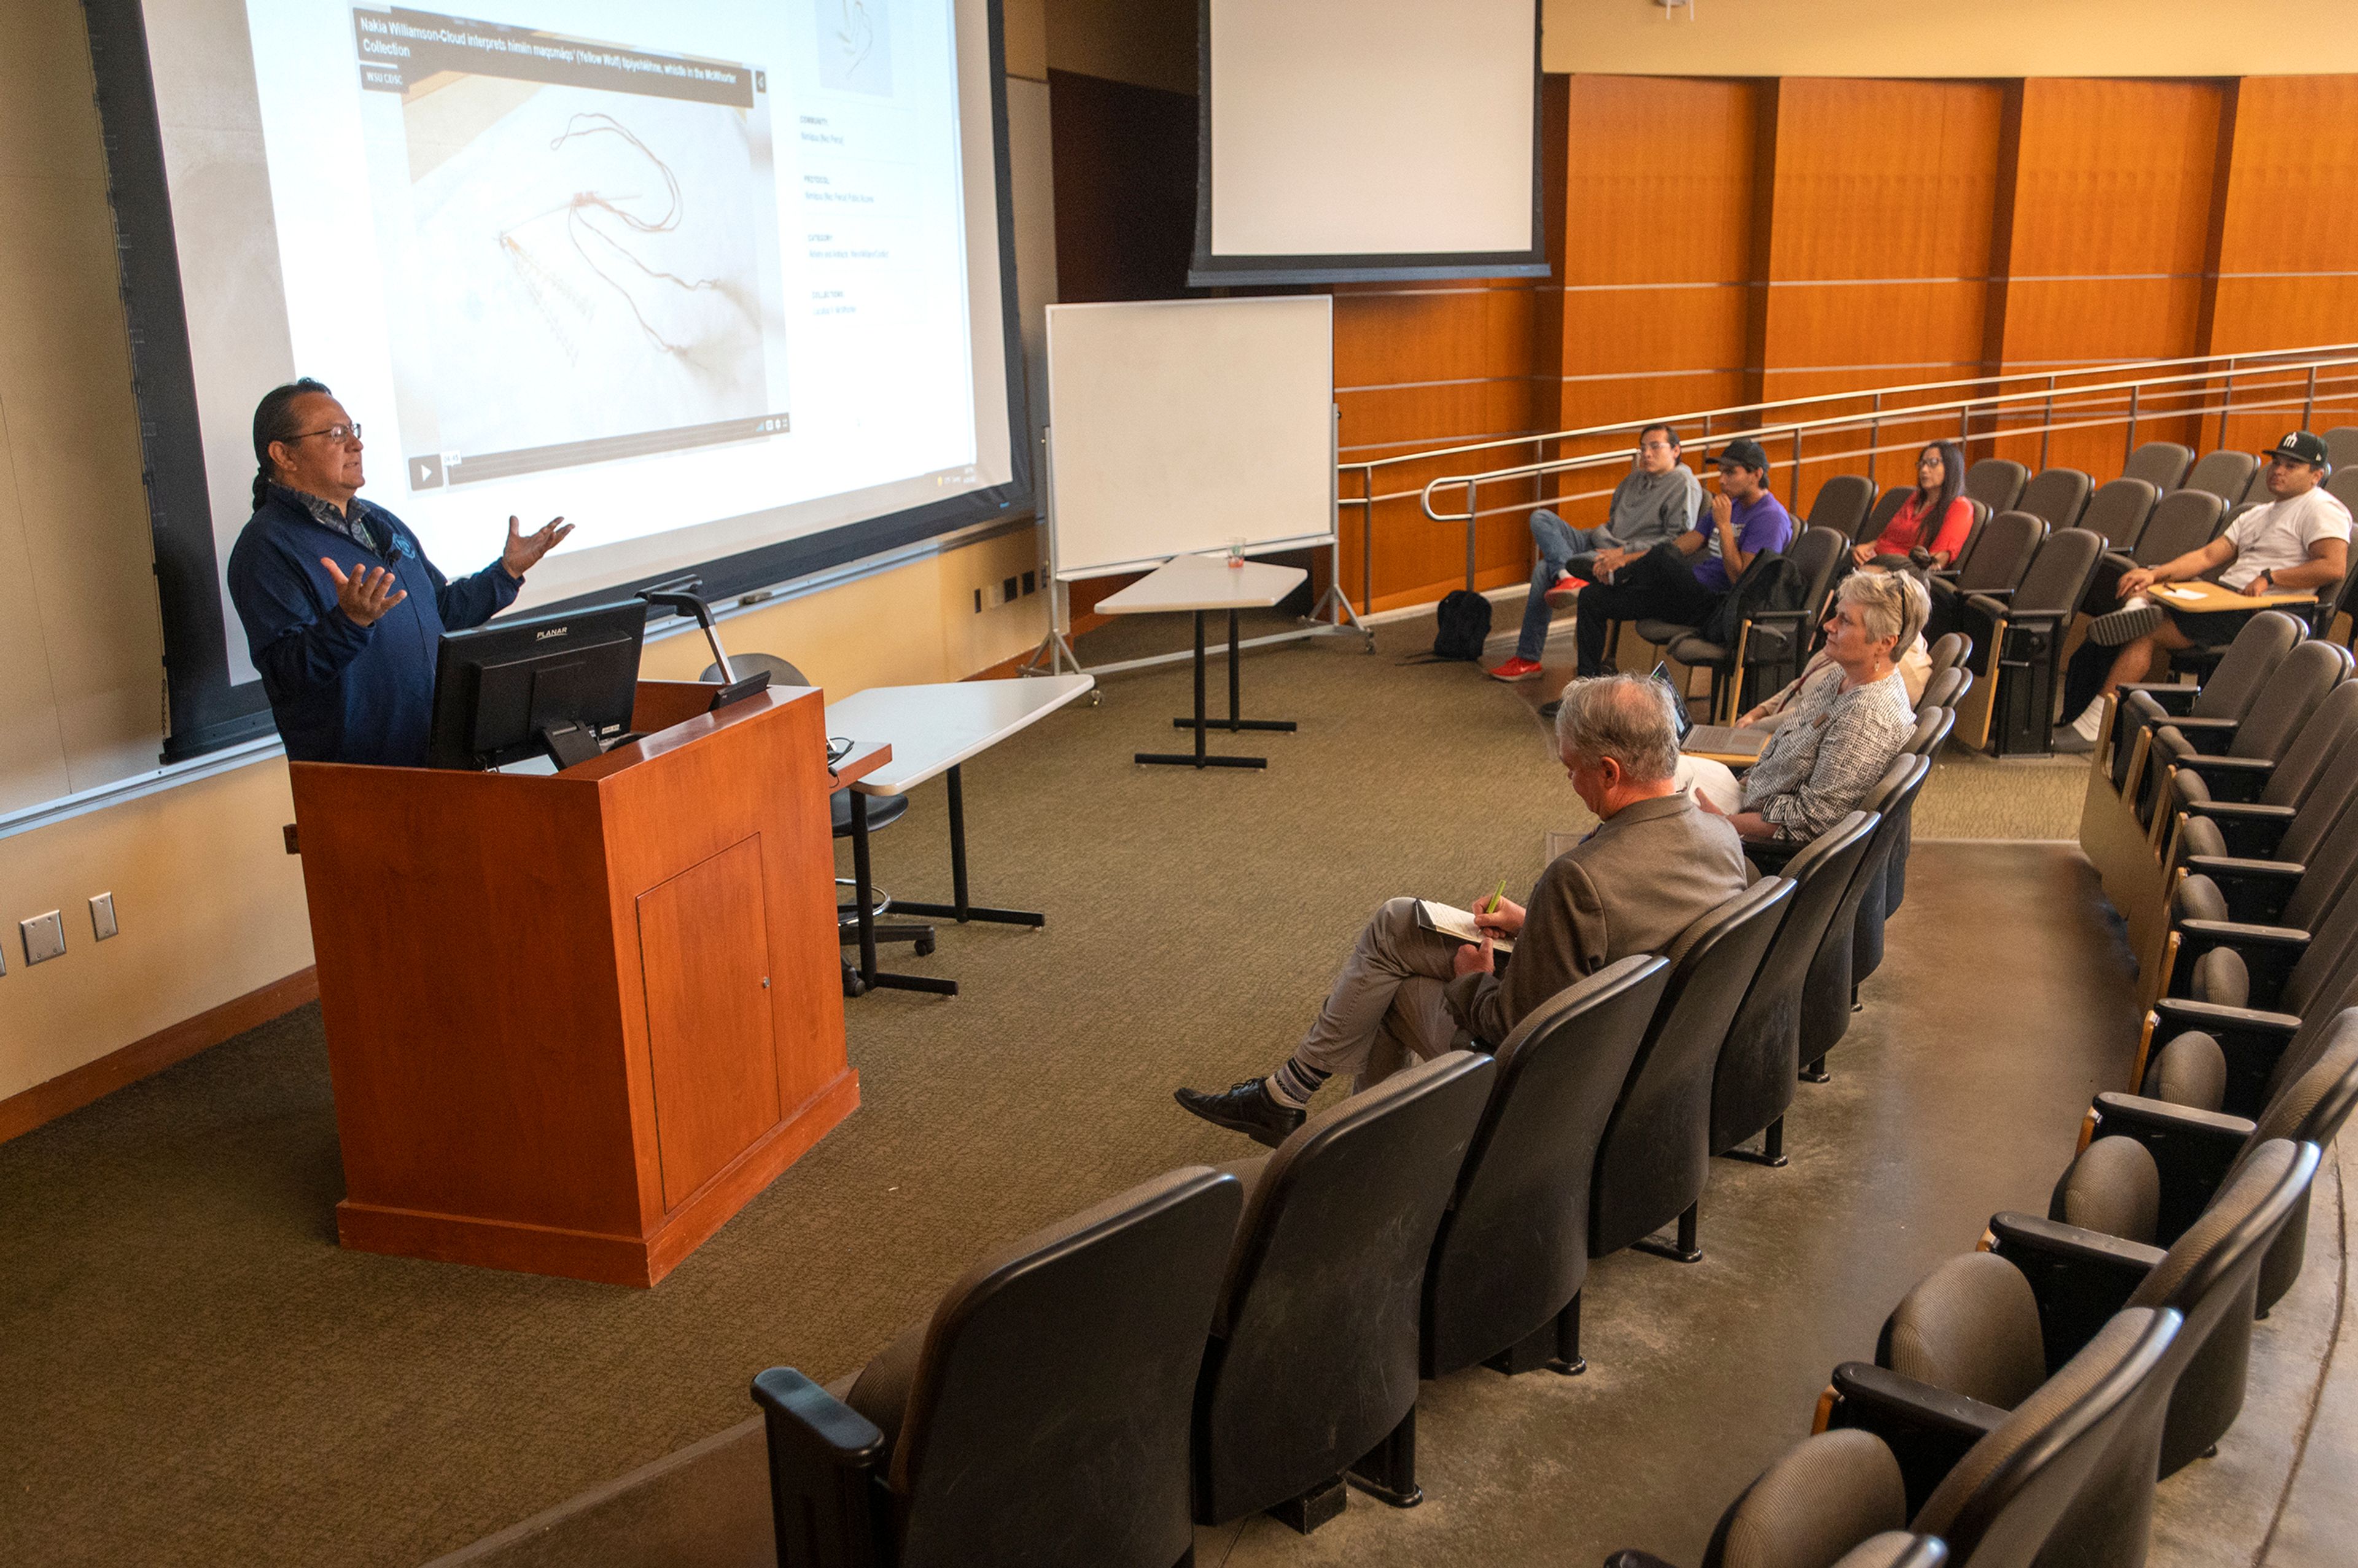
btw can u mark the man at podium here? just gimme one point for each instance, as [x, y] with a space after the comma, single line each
[343, 610]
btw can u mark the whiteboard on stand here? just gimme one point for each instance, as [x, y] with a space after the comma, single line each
[1177, 426]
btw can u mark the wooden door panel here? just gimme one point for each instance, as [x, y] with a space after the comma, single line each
[704, 947]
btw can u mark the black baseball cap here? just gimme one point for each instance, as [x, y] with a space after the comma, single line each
[1745, 452]
[2302, 446]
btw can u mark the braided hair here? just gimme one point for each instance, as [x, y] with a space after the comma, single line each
[273, 420]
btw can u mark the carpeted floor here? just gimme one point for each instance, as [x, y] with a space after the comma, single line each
[192, 1371]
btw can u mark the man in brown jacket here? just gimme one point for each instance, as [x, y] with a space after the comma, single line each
[1654, 865]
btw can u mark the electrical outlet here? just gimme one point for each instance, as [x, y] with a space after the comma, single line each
[45, 938]
[1031, 583]
[978, 601]
[1010, 590]
[101, 917]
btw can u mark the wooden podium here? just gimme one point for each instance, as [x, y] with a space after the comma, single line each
[575, 1021]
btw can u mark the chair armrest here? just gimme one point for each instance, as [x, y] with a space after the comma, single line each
[2120, 558]
[2253, 831]
[1991, 605]
[2190, 1148]
[2081, 1276]
[2173, 1015]
[2167, 698]
[2002, 595]
[2269, 952]
[1927, 1429]
[827, 1466]
[2191, 725]
[2256, 890]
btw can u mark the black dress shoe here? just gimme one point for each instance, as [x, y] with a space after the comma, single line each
[1244, 1107]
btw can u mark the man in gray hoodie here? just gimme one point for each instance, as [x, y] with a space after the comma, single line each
[1659, 500]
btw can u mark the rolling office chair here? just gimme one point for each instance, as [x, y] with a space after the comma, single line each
[884, 810]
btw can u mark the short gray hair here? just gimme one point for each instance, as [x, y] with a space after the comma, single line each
[1626, 718]
[1890, 604]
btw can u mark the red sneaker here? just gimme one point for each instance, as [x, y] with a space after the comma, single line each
[1565, 592]
[1517, 668]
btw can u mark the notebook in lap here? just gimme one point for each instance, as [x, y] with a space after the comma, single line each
[1708, 740]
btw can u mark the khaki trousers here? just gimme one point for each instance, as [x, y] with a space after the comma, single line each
[1386, 1010]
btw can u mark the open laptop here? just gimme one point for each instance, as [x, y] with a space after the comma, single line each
[1708, 740]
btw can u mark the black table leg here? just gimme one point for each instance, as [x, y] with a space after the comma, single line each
[959, 909]
[870, 977]
[1235, 721]
[1201, 723]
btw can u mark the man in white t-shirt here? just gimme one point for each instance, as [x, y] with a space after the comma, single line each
[2298, 543]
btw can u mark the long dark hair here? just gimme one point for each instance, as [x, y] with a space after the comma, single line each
[273, 420]
[1933, 510]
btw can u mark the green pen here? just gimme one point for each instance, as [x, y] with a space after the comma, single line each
[1497, 897]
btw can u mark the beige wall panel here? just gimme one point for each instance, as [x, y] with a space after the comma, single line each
[49, 124]
[211, 907]
[32, 753]
[1026, 38]
[65, 378]
[1151, 43]
[1947, 37]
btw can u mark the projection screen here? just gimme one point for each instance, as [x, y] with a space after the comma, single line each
[1353, 140]
[729, 286]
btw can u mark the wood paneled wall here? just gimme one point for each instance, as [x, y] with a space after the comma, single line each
[1723, 241]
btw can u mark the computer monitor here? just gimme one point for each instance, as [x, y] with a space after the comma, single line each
[560, 685]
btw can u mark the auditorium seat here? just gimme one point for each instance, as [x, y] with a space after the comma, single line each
[1842, 505]
[1995, 1485]
[1311, 1365]
[2161, 464]
[1827, 995]
[2342, 448]
[1947, 651]
[1887, 507]
[1944, 689]
[2223, 473]
[2018, 641]
[1997, 483]
[2118, 510]
[1655, 1159]
[1039, 1415]
[2301, 797]
[1502, 1285]
[2210, 1273]
[2056, 497]
[1933, 727]
[1760, 1061]
[2139, 707]
[1827, 1501]
[2181, 521]
[2152, 1164]
[2236, 758]
[1771, 645]
[1994, 567]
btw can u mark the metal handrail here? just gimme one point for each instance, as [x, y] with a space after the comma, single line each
[1996, 411]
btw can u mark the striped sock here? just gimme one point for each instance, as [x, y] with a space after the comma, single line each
[1293, 1084]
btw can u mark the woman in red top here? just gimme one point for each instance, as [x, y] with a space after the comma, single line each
[1940, 481]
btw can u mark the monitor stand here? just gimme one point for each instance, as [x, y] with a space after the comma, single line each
[570, 743]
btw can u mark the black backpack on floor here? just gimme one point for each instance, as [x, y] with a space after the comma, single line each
[1465, 620]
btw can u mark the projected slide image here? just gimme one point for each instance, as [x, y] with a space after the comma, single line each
[582, 228]
[855, 46]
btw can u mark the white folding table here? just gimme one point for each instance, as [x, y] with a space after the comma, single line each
[1203, 584]
[934, 729]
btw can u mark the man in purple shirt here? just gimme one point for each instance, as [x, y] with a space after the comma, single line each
[1680, 581]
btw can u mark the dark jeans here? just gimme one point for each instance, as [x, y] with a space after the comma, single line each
[1659, 586]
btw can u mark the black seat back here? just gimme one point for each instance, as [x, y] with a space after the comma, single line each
[2181, 521]
[1315, 1351]
[2312, 1094]
[2342, 448]
[2001, 554]
[1656, 1154]
[1943, 690]
[1050, 1400]
[1825, 997]
[1752, 1083]
[1512, 1252]
[1887, 507]
[2161, 464]
[2223, 473]
[1842, 505]
[2118, 510]
[2278, 715]
[1934, 726]
[1948, 651]
[2000, 1503]
[1997, 483]
[2056, 497]
[2058, 575]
